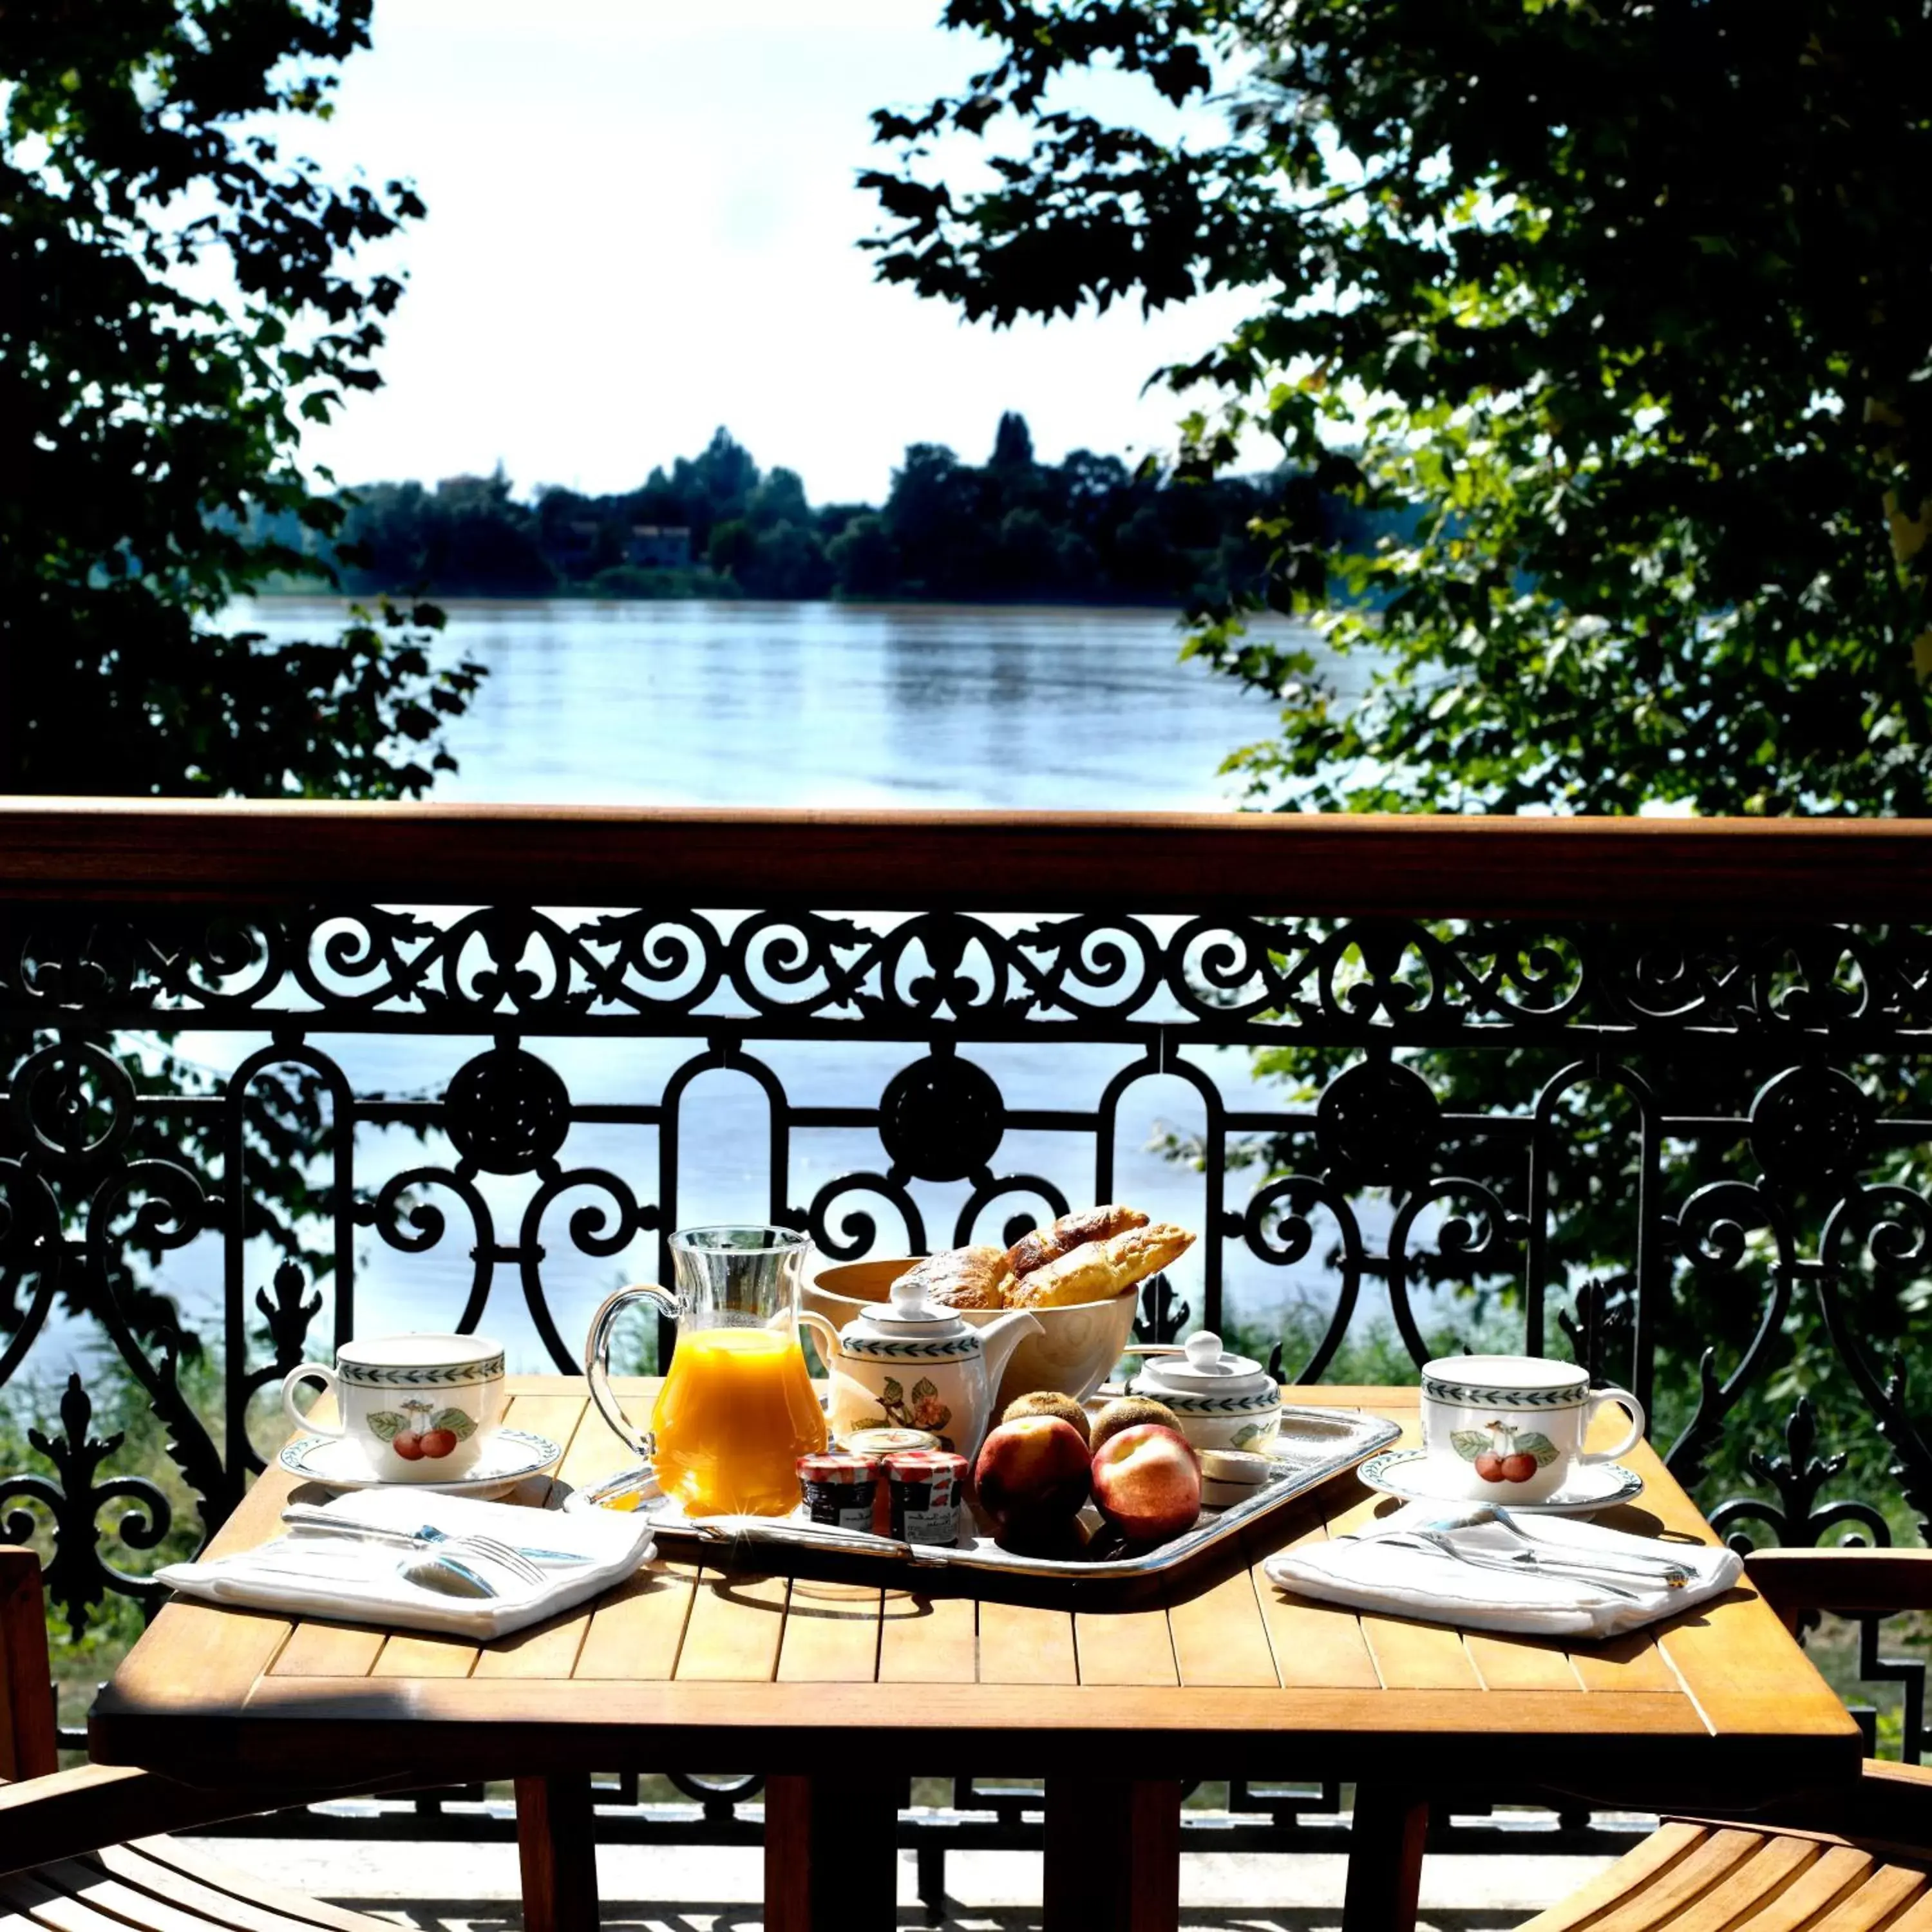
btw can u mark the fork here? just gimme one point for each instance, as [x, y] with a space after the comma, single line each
[516, 1563]
[431, 1568]
[313, 1516]
[1440, 1546]
[1622, 1562]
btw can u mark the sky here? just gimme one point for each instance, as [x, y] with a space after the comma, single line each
[642, 223]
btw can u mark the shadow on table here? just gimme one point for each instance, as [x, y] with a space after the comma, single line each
[638, 1915]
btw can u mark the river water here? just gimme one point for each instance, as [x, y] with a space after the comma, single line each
[830, 704]
[785, 705]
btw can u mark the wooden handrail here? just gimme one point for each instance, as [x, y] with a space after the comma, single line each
[1727, 870]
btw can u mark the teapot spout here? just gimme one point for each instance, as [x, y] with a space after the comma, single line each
[999, 1338]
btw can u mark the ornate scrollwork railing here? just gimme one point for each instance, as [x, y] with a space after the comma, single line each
[1647, 1093]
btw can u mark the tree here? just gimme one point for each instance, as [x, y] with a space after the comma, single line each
[715, 486]
[1614, 320]
[864, 557]
[1012, 442]
[1608, 323]
[780, 499]
[180, 296]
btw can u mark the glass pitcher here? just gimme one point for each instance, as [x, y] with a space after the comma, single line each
[737, 1410]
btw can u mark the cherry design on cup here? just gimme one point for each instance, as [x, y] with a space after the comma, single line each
[1502, 1453]
[417, 1433]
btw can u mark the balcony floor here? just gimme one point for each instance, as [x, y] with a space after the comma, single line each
[455, 1888]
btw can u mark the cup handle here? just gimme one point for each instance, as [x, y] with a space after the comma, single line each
[597, 1362]
[310, 1372]
[1638, 1423]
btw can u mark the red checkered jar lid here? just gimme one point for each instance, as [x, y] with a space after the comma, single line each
[922, 1465]
[828, 1465]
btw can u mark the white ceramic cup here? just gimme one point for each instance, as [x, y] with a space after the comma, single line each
[1505, 1429]
[419, 1408]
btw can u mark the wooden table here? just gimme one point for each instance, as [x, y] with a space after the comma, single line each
[833, 1692]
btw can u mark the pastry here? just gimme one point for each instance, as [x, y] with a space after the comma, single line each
[1096, 1269]
[964, 1278]
[1071, 1231]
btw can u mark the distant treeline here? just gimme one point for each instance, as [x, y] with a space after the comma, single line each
[1087, 530]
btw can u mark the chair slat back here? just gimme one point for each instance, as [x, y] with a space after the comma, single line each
[27, 1724]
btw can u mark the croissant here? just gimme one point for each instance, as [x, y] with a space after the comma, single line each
[1070, 1231]
[964, 1278]
[1096, 1269]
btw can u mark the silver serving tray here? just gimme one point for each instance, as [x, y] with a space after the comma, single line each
[1314, 1446]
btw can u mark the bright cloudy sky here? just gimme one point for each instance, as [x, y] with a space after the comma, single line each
[642, 224]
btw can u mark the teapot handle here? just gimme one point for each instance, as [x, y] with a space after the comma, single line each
[597, 1362]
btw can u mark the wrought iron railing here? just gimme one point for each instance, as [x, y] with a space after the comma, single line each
[1646, 1090]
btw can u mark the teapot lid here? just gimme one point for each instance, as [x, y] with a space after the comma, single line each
[908, 1313]
[1203, 1367]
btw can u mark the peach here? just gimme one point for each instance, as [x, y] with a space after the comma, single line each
[1032, 1472]
[1146, 1482]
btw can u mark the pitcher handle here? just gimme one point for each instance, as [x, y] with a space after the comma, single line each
[597, 1362]
[822, 1332]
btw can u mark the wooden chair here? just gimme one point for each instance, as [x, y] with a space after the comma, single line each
[64, 1865]
[1856, 1861]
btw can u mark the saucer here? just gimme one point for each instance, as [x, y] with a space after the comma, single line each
[1590, 1486]
[508, 1457]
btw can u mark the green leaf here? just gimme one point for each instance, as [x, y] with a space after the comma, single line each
[893, 1393]
[386, 1425]
[1471, 1443]
[460, 1426]
[1545, 1451]
[923, 1388]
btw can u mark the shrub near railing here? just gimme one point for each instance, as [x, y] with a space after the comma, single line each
[1696, 1155]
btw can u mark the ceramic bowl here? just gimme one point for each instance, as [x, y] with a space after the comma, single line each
[1075, 1350]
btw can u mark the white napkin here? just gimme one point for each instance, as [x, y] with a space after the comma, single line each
[1369, 1572]
[304, 1574]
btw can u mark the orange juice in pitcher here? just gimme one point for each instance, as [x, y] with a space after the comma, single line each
[736, 1413]
[737, 1410]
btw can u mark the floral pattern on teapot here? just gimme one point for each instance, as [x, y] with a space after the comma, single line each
[921, 1409]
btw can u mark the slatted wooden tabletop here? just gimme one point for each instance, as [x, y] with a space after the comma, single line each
[691, 1665]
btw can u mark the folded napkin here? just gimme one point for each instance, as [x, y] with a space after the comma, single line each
[304, 1573]
[1535, 1575]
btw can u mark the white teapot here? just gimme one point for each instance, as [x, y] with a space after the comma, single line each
[910, 1364]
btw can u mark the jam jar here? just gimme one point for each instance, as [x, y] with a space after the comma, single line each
[840, 1489]
[927, 1487]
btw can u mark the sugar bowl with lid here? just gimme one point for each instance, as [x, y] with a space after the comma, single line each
[1222, 1401]
[913, 1364]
